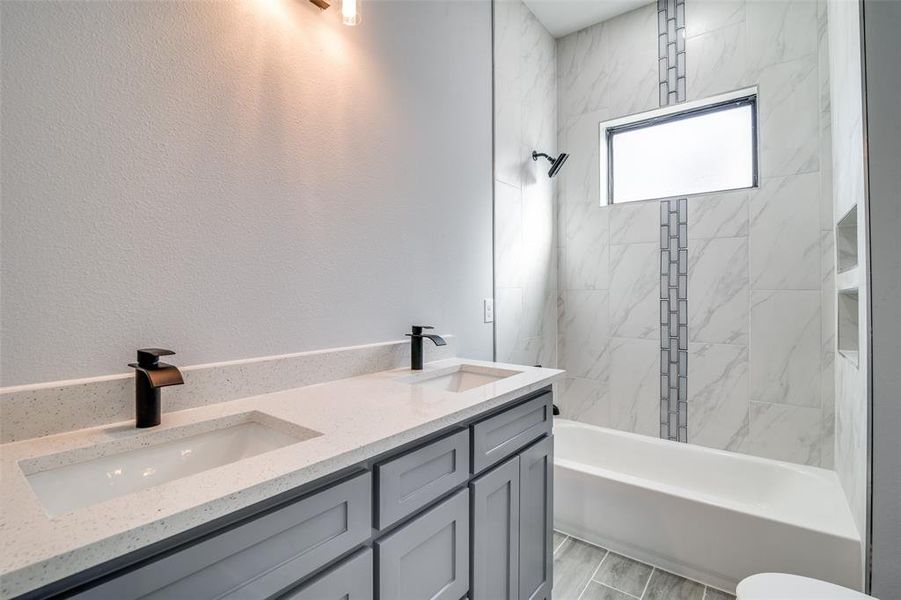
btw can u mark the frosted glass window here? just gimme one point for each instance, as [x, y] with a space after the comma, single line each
[703, 150]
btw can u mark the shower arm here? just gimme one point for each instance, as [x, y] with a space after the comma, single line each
[536, 155]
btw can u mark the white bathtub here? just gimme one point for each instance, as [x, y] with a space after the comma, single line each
[709, 515]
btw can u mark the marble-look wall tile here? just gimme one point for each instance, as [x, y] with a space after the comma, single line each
[539, 307]
[781, 31]
[525, 220]
[585, 400]
[785, 347]
[630, 45]
[825, 120]
[790, 433]
[721, 215]
[584, 326]
[507, 34]
[785, 234]
[827, 245]
[610, 65]
[704, 16]
[635, 385]
[536, 350]
[508, 316]
[827, 320]
[539, 97]
[851, 438]
[846, 108]
[583, 72]
[508, 244]
[789, 117]
[579, 180]
[538, 213]
[718, 395]
[827, 442]
[508, 118]
[635, 222]
[539, 259]
[718, 61]
[718, 290]
[585, 232]
[635, 290]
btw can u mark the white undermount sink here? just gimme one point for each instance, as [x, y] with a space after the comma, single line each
[120, 468]
[461, 378]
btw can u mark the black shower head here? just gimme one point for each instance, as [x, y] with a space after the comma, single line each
[556, 163]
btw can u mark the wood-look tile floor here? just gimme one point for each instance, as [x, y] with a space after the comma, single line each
[586, 572]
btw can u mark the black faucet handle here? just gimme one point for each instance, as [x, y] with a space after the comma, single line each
[417, 329]
[150, 357]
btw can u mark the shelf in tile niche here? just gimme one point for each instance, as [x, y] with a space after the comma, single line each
[848, 329]
[847, 280]
[846, 241]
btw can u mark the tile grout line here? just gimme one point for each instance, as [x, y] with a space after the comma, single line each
[613, 587]
[560, 545]
[608, 586]
[648, 583]
[593, 573]
[616, 589]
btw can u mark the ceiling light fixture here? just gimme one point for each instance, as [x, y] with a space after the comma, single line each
[350, 10]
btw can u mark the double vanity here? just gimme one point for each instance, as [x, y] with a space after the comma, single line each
[396, 484]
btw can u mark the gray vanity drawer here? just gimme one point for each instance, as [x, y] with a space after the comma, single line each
[429, 556]
[410, 482]
[498, 437]
[260, 557]
[351, 580]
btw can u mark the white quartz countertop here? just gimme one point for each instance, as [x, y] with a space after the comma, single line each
[359, 418]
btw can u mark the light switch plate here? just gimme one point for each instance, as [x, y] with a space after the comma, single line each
[488, 306]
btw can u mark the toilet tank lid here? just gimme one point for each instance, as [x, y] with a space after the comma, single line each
[781, 586]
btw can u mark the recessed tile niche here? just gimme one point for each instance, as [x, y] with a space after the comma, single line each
[848, 329]
[846, 241]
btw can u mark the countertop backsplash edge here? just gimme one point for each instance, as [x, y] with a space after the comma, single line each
[32, 411]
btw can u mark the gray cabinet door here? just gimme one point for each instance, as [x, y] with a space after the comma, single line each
[413, 480]
[495, 533]
[427, 558]
[502, 435]
[536, 527]
[350, 580]
[259, 557]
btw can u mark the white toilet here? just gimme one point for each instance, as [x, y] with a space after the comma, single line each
[779, 586]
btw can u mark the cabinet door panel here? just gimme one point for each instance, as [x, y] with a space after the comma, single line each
[351, 580]
[427, 558]
[536, 485]
[495, 533]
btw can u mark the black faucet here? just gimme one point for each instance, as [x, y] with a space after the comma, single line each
[416, 344]
[150, 376]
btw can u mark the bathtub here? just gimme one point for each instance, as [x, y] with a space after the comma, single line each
[709, 515]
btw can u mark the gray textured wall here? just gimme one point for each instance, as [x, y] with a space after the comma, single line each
[882, 20]
[238, 179]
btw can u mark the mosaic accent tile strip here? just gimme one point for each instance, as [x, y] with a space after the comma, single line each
[674, 319]
[671, 50]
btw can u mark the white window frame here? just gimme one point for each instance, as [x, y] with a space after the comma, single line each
[668, 114]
